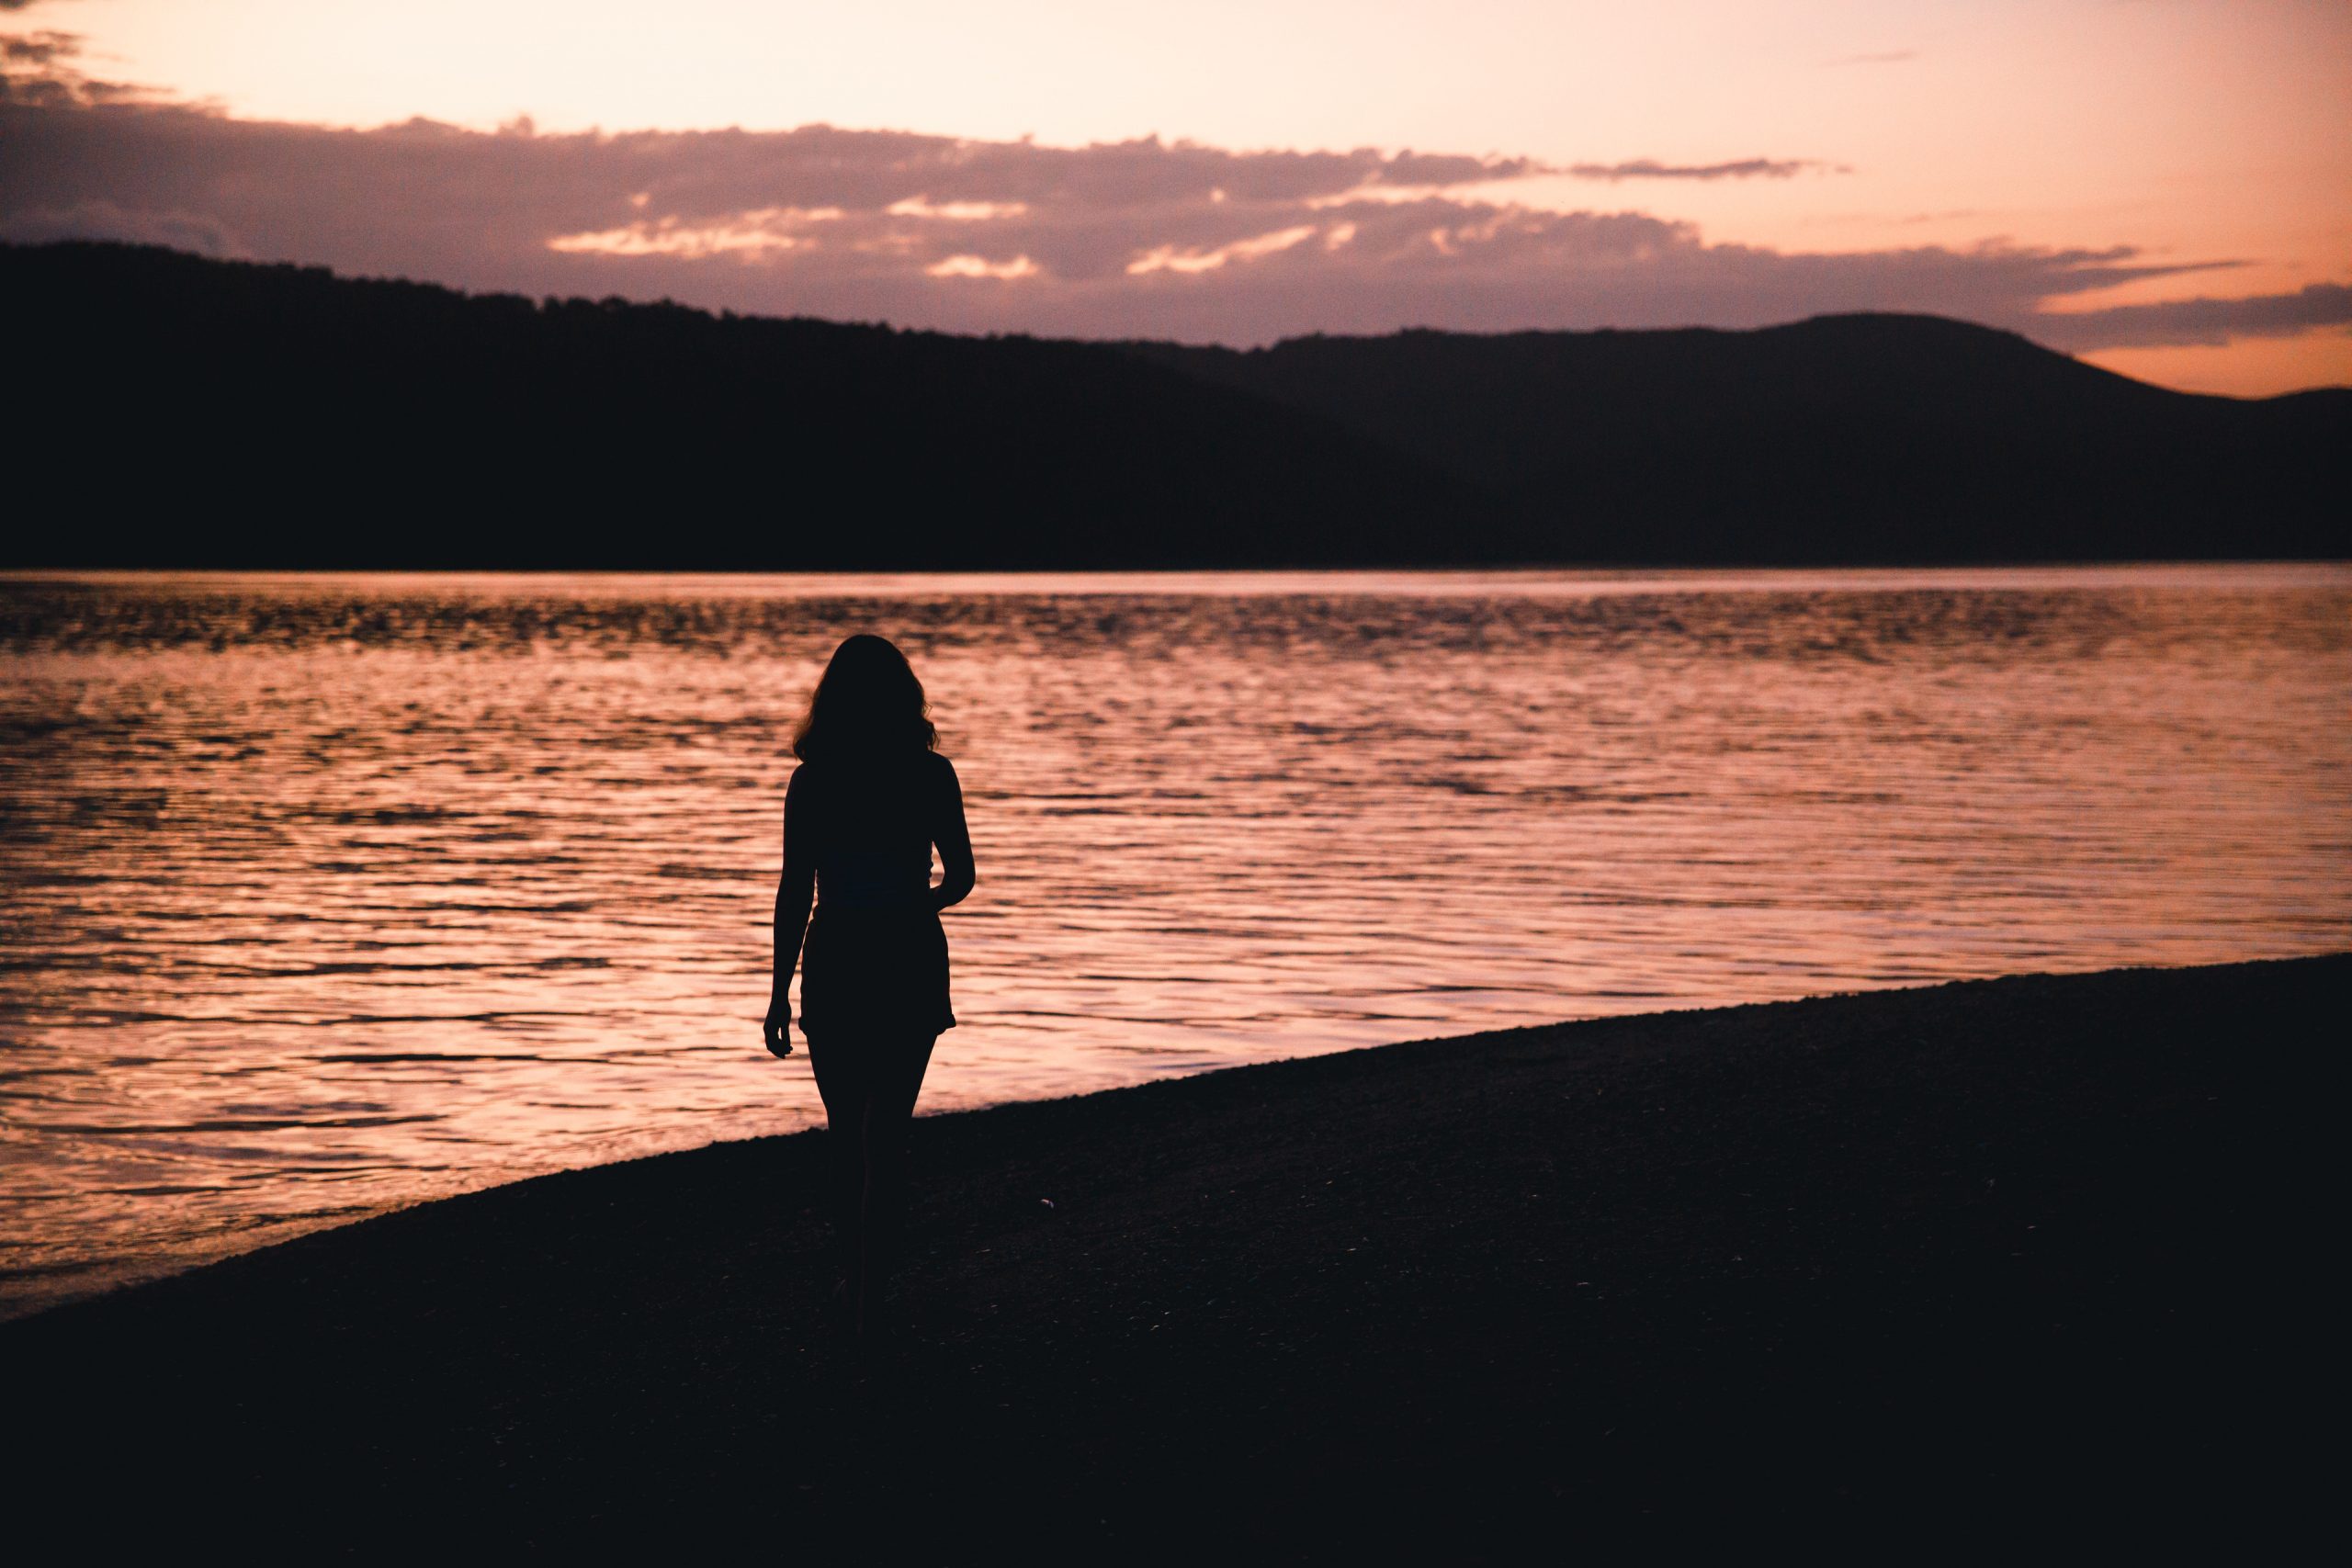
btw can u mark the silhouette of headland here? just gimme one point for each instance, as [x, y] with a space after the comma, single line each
[232, 414]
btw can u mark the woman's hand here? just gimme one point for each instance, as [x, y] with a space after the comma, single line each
[777, 1028]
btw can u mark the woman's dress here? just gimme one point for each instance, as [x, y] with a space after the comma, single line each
[874, 959]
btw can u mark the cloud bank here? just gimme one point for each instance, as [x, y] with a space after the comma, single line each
[1738, 169]
[2203, 321]
[1143, 238]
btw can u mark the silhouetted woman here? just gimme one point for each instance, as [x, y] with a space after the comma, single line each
[868, 802]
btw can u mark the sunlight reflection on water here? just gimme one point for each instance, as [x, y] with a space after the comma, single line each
[326, 893]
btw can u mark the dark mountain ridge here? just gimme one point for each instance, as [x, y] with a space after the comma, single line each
[1840, 438]
[214, 413]
[211, 413]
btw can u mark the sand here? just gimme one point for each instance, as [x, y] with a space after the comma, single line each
[2024, 1262]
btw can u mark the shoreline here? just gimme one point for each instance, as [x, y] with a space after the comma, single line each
[34, 1292]
[1971, 1245]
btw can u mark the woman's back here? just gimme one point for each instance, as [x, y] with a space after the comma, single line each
[868, 824]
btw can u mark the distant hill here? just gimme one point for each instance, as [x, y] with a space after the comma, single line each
[207, 414]
[1842, 438]
[193, 412]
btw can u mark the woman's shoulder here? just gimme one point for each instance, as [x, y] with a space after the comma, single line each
[810, 776]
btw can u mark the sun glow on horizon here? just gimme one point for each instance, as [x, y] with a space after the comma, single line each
[1169, 258]
[965, 265]
[755, 233]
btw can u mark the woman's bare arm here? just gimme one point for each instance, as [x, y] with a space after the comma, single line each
[796, 889]
[955, 842]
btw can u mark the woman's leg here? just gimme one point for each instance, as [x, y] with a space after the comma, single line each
[844, 1084]
[899, 1065]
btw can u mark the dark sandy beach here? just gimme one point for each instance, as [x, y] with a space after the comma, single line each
[2021, 1261]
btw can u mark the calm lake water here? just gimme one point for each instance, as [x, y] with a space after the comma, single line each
[325, 893]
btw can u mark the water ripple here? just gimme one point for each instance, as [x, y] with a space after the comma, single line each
[399, 886]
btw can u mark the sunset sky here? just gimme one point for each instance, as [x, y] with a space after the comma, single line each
[2162, 186]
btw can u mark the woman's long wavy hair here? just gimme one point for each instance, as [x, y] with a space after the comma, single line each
[867, 703]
